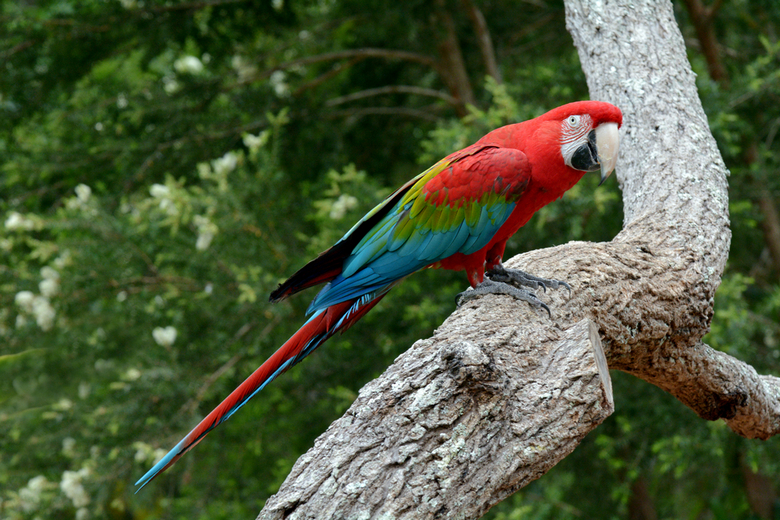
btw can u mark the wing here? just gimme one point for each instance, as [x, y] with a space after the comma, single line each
[329, 264]
[456, 206]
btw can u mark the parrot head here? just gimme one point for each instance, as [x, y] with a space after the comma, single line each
[566, 142]
[587, 135]
[591, 143]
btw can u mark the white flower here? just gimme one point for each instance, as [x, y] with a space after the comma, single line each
[68, 445]
[49, 273]
[63, 404]
[21, 321]
[188, 65]
[43, 312]
[206, 232]
[162, 192]
[204, 241]
[169, 207]
[73, 489]
[63, 260]
[343, 204]
[84, 390]
[121, 296]
[277, 82]
[18, 221]
[204, 170]
[82, 513]
[255, 142]
[83, 192]
[30, 495]
[132, 374]
[141, 451]
[121, 101]
[164, 336]
[49, 287]
[277, 4]
[225, 164]
[159, 191]
[170, 85]
[37, 483]
[245, 69]
[24, 299]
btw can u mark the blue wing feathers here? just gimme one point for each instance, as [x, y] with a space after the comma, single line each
[459, 240]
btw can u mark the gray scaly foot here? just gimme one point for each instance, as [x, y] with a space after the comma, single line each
[492, 287]
[510, 282]
[519, 278]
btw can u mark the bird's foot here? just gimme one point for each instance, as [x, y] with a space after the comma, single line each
[490, 286]
[519, 278]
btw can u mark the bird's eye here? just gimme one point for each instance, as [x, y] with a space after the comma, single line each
[574, 121]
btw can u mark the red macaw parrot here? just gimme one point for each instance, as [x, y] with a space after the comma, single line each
[458, 215]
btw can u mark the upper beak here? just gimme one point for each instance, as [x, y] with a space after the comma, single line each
[607, 144]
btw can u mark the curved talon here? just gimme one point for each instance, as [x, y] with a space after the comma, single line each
[516, 277]
[489, 286]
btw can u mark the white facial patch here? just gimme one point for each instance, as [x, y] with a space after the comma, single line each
[574, 131]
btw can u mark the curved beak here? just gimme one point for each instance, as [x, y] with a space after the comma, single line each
[607, 143]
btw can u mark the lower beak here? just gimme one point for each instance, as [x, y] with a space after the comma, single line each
[607, 144]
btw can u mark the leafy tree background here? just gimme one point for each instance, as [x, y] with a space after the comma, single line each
[165, 164]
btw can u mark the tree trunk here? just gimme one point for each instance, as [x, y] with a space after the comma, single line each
[484, 40]
[501, 392]
[451, 67]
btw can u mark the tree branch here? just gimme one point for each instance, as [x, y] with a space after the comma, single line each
[452, 68]
[390, 54]
[457, 424]
[702, 17]
[392, 89]
[484, 40]
[385, 111]
[771, 226]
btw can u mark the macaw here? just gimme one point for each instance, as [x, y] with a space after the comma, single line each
[458, 214]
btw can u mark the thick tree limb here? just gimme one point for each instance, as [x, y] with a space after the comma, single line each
[437, 436]
[458, 417]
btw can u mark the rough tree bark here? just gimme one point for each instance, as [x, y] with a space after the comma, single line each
[500, 393]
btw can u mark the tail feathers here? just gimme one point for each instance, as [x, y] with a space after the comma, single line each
[321, 326]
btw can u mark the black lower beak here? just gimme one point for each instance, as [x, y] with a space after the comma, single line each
[586, 157]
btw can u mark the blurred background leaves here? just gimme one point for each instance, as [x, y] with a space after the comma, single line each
[165, 164]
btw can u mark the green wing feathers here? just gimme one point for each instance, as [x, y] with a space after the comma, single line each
[456, 206]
